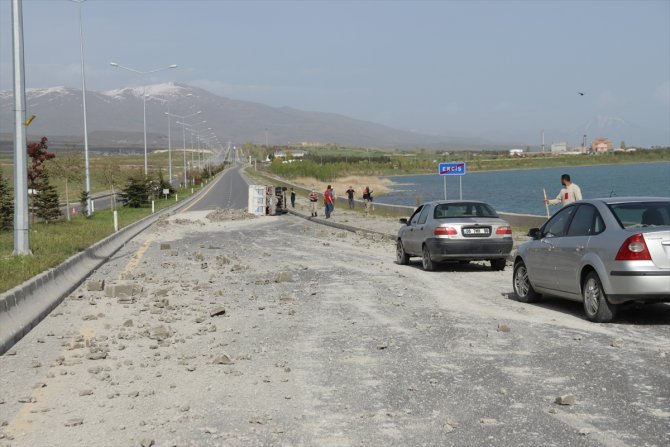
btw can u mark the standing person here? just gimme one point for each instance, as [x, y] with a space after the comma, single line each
[329, 200]
[350, 196]
[367, 197]
[569, 194]
[292, 198]
[313, 201]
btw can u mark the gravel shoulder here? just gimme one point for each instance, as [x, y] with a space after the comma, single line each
[233, 331]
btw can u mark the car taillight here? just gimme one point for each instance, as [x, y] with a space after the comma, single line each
[445, 231]
[634, 249]
[504, 230]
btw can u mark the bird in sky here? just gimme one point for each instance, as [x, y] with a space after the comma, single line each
[580, 93]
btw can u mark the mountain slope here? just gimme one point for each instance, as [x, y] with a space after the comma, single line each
[117, 114]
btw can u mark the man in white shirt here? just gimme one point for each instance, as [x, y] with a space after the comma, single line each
[569, 194]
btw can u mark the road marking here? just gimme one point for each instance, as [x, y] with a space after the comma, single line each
[209, 188]
[135, 260]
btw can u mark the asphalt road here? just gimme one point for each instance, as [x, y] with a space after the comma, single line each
[325, 341]
[230, 191]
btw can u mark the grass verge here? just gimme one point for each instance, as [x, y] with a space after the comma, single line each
[53, 243]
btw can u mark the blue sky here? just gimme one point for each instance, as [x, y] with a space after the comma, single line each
[444, 67]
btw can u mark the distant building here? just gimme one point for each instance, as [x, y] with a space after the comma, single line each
[601, 145]
[516, 152]
[294, 154]
[559, 148]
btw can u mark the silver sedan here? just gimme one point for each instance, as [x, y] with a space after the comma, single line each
[454, 230]
[602, 252]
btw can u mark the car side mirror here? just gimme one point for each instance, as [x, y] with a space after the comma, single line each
[403, 221]
[535, 233]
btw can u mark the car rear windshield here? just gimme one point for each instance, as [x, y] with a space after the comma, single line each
[641, 214]
[452, 210]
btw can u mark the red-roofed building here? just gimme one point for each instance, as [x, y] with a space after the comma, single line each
[601, 145]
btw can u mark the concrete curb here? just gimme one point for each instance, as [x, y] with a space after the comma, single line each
[24, 306]
[340, 226]
[390, 237]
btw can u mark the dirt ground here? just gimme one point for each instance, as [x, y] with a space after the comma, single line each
[378, 185]
[276, 331]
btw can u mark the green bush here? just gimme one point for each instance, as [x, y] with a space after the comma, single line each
[6, 205]
[137, 191]
[47, 206]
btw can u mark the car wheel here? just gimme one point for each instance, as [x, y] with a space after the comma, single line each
[401, 256]
[596, 306]
[498, 264]
[426, 262]
[523, 289]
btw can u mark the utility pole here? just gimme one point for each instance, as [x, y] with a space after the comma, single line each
[21, 229]
[543, 141]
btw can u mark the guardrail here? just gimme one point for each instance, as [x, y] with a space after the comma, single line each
[24, 306]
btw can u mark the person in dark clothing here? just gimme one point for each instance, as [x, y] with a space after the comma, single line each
[292, 198]
[350, 196]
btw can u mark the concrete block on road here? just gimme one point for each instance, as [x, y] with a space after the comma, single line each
[95, 285]
[123, 289]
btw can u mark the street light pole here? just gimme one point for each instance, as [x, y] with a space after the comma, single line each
[144, 102]
[21, 230]
[87, 172]
[183, 132]
[144, 120]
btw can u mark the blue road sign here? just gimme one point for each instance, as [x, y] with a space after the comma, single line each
[451, 168]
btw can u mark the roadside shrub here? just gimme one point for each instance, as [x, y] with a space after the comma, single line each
[47, 206]
[137, 191]
[6, 205]
[83, 202]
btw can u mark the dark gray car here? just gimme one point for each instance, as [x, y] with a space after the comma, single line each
[454, 231]
[602, 252]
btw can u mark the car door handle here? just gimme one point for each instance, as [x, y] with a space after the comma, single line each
[544, 241]
[579, 248]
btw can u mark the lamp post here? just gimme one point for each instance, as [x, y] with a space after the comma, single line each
[83, 99]
[144, 101]
[167, 102]
[183, 131]
[21, 229]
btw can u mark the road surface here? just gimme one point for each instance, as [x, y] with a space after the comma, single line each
[325, 341]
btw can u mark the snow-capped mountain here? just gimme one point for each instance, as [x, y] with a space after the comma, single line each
[117, 115]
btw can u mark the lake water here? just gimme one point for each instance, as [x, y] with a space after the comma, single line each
[520, 191]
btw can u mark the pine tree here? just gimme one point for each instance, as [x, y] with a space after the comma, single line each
[6, 205]
[46, 201]
[163, 184]
[83, 202]
[137, 191]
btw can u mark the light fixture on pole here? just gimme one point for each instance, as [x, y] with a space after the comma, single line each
[87, 171]
[144, 102]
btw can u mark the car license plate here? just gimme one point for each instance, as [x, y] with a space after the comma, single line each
[476, 231]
